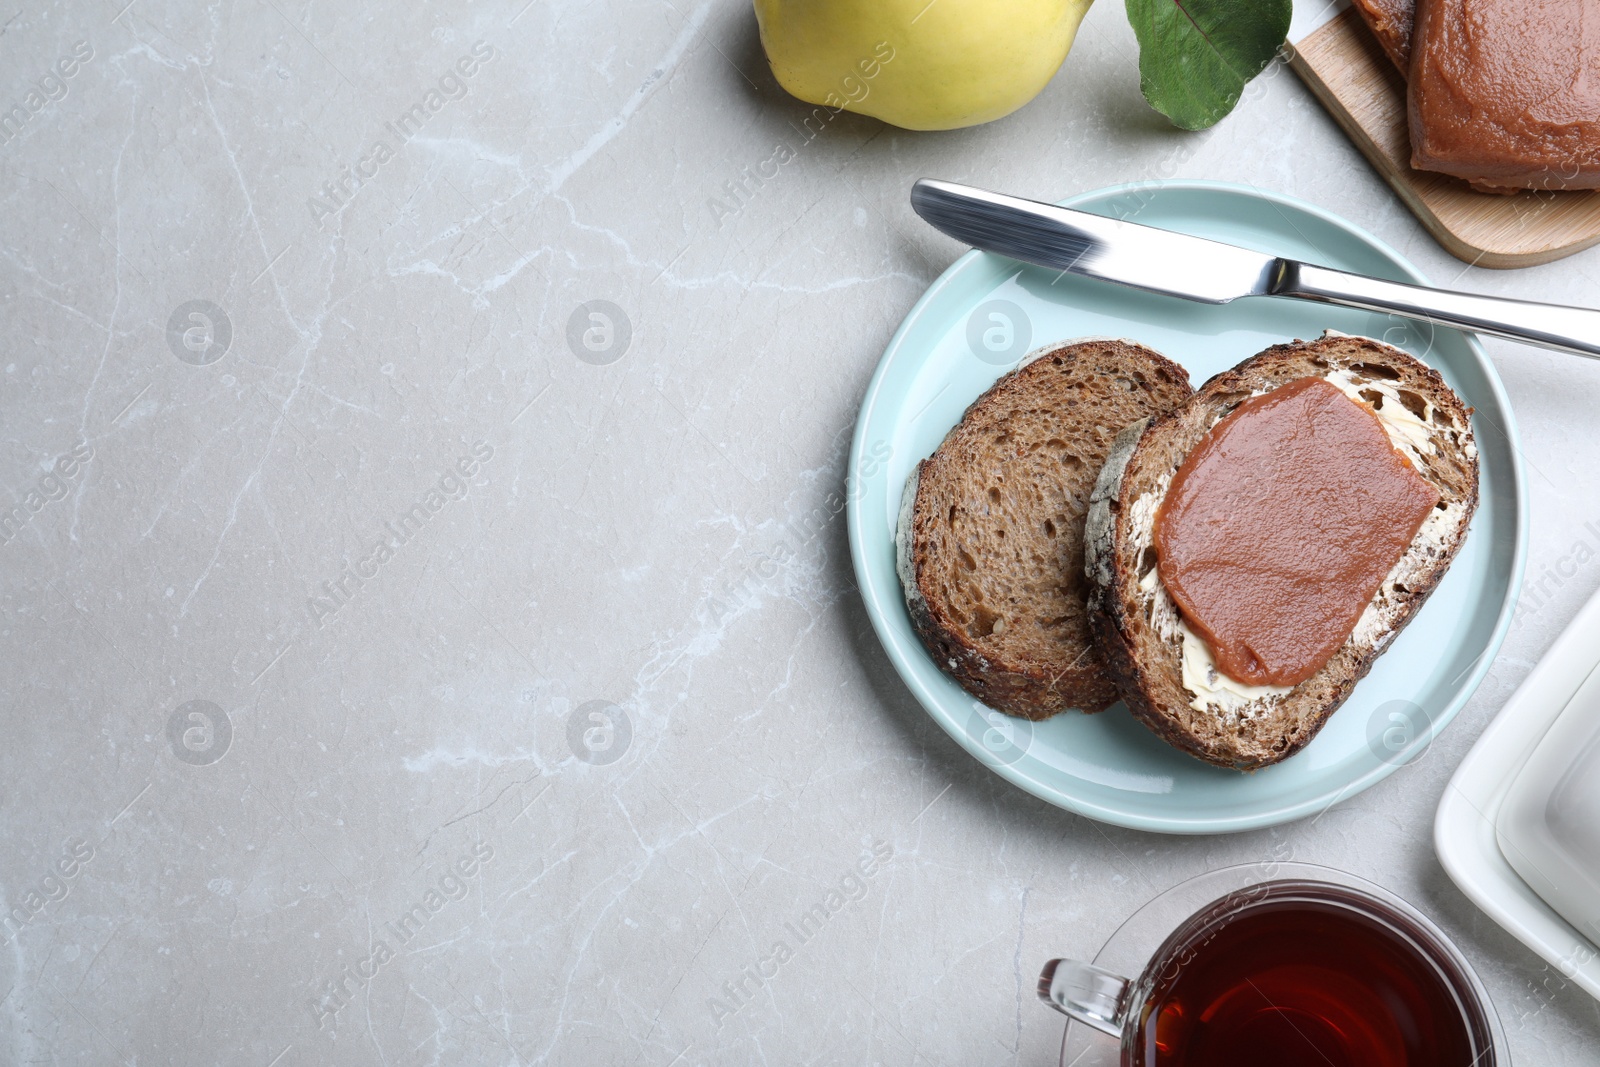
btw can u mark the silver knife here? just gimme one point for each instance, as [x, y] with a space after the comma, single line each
[1175, 264]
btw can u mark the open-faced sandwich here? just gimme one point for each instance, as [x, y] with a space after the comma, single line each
[1251, 553]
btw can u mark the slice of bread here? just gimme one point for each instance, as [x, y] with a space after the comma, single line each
[1138, 629]
[990, 538]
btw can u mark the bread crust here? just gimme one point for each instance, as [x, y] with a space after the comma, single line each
[1024, 686]
[1145, 664]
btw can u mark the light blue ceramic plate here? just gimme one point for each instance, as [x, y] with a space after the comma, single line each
[986, 312]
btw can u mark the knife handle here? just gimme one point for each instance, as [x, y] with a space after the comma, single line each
[1567, 329]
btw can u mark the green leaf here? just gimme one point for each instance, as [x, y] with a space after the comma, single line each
[1196, 56]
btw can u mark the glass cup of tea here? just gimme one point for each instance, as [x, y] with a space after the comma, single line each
[1288, 963]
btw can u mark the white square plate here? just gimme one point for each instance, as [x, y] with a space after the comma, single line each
[1464, 829]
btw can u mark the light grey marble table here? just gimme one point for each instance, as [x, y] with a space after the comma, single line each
[333, 530]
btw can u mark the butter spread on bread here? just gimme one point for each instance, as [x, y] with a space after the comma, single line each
[1162, 668]
[1280, 524]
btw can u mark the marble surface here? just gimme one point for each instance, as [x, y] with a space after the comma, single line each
[407, 675]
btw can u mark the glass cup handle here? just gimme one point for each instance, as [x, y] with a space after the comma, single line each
[1089, 994]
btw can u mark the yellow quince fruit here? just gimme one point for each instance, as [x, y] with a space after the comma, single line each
[920, 64]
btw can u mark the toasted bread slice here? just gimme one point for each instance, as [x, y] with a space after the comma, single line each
[990, 538]
[1141, 634]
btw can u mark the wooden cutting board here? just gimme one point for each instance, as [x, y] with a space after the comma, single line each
[1345, 68]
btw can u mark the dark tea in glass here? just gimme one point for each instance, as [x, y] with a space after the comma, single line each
[1328, 972]
[1297, 981]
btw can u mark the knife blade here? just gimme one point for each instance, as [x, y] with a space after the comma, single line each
[1127, 253]
[1213, 272]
